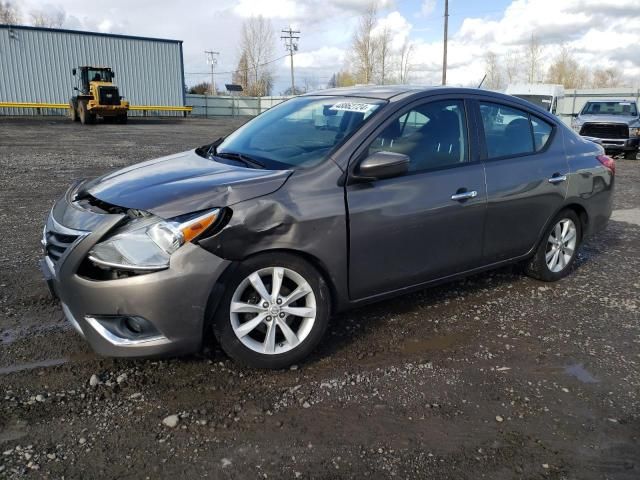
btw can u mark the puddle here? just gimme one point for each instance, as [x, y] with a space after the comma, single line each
[579, 372]
[14, 430]
[30, 366]
[10, 335]
[441, 342]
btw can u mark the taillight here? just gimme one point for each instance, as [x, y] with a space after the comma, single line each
[608, 162]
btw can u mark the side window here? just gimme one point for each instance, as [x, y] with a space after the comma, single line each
[541, 132]
[433, 135]
[507, 130]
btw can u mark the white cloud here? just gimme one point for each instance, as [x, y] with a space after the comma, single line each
[602, 33]
[427, 7]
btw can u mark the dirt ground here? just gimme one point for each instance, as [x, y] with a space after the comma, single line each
[496, 376]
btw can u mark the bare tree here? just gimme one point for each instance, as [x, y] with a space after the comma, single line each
[257, 45]
[9, 13]
[405, 62]
[345, 79]
[606, 78]
[533, 54]
[493, 71]
[383, 40]
[364, 45]
[512, 66]
[565, 70]
[51, 19]
[241, 75]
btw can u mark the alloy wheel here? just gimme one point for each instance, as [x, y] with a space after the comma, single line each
[273, 310]
[561, 245]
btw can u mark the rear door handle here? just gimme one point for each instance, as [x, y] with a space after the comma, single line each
[464, 195]
[558, 179]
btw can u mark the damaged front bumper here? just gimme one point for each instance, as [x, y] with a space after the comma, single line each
[151, 314]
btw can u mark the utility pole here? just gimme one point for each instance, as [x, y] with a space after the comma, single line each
[291, 38]
[446, 34]
[212, 59]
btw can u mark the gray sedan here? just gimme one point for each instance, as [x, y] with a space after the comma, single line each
[326, 202]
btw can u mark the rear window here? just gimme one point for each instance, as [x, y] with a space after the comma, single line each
[511, 132]
[610, 108]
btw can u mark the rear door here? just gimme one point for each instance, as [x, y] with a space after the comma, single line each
[526, 169]
[428, 223]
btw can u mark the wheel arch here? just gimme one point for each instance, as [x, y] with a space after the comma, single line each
[579, 210]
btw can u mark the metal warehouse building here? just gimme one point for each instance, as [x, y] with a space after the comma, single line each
[36, 65]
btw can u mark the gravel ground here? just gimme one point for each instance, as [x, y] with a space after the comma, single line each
[496, 376]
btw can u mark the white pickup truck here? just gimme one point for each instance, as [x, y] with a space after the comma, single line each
[614, 122]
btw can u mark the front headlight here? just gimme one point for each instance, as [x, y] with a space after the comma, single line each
[634, 131]
[147, 243]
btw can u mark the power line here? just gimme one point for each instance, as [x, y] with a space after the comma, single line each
[446, 35]
[291, 38]
[240, 69]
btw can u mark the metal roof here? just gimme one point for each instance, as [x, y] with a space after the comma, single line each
[85, 32]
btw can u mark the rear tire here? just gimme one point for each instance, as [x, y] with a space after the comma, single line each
[272, 329]
[557, 250]
[73, 113]
[633, 155]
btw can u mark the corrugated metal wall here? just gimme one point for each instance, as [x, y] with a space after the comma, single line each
[36, 64]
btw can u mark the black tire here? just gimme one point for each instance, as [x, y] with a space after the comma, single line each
[537, 266]
[222, 323]
[632, 155]
[122, 119]
[86, 117]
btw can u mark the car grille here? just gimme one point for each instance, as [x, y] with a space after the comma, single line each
[109, 96]
[56, 244]
[605, 130]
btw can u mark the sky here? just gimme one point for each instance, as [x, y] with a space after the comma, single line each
[600, 33]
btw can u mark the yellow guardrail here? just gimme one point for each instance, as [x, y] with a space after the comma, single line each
[33, 105]
[160, 108]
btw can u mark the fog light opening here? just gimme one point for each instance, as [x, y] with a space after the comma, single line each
[134, 325]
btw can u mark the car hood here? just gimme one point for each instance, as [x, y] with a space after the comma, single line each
[183, 183]
[627, 119]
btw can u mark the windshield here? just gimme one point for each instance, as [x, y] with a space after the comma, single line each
[99, 75]
[610, 108]
[543, 101]
[300, 132]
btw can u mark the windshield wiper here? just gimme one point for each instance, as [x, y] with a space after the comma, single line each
[248, 161]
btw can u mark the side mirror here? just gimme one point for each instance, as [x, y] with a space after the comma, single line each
[74, 72]
[575, 115]
[76, 89]
[381, 165]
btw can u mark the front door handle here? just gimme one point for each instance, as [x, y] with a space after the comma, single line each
[464, 195]
[558, 179]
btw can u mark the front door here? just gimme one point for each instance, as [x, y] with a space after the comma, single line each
[428, 223]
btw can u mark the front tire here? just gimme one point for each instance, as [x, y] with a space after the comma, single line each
[632, 155]
[274, 311]
[556, 253]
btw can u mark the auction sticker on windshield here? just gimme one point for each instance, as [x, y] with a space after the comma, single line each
[352, 107]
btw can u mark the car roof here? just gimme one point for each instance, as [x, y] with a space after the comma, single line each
[382, 92]
[398, 92]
